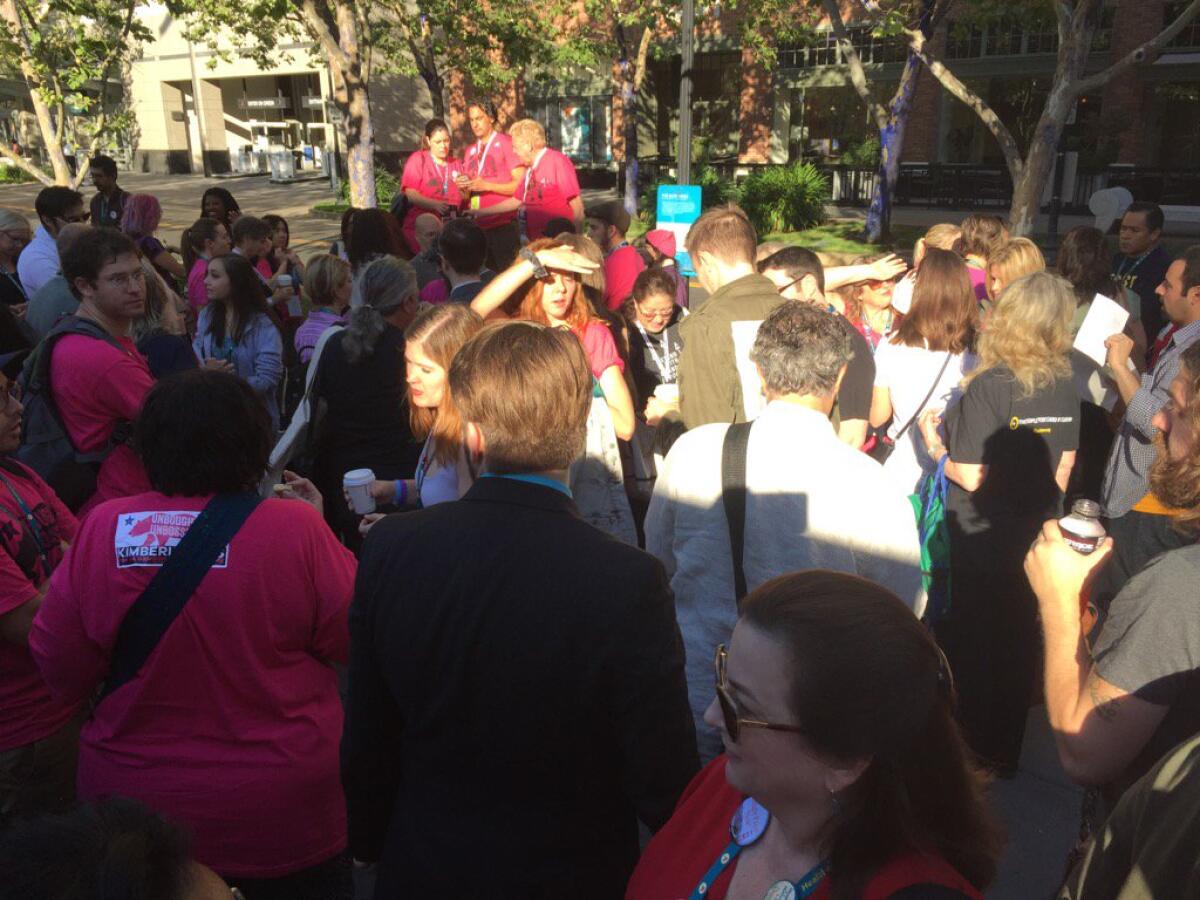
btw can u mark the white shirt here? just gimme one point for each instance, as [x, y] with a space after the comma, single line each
[38, 262]
[812, 503]
[908, 373]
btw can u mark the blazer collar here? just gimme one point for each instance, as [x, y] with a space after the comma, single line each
[519, 493]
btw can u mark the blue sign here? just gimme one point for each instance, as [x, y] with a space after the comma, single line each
[678, 208]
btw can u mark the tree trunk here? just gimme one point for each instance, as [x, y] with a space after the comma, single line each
[891, 145]
[360, 148]
[629, 118]
[433, 81]
[51, 135]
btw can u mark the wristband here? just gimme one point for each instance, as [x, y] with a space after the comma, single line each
[539, 271]
[401, 495]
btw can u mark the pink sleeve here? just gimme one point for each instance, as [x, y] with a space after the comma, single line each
[70, 660]
[566, 179]
[15, 589]
[413, 171]
[601, 349]
[435, 292]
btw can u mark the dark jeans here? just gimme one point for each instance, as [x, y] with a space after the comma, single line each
[40, 777]
[330, 880]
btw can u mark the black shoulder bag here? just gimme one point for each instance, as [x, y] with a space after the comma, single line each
[174, 584]
[733, 497]
[884, 447]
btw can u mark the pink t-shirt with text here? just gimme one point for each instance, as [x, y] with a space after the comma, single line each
[546, 191]
[95, 386]
[621, 269]
[27, 711]
[431, 180]
[197, 295]
[499, 160]
[232, 725]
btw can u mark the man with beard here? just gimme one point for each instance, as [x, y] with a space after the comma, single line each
[1117, 707]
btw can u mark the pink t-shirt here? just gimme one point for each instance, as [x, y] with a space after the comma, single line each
[95, 386]
[431, 180]
[232, 725]
[979, 282]
[197, 296]
[264, 268]
[27, 711]
[621, 269]
[600, 348]
[435, 293]
[494, 161]
[546, 191]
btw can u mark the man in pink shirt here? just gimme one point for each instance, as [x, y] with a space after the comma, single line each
[94, 386]
[606, 225]
[491, 174]
[549, 190]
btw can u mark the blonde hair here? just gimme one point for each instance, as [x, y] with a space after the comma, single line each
[943, 236]
[441, 331]
[323, 276]
[528, 130]
[1016, 259]
[1029, 332]
[11, 219]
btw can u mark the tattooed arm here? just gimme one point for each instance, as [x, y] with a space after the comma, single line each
[1099, 728]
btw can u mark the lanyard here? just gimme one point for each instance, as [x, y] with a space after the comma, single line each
[748, 825]
[483, 156]
[531, 479]
[36, 531]
[665, 367]
[423, 466]
[532, 166]
[1122, 271]
[445, 170]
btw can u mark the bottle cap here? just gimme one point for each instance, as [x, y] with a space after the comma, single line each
[1088, 508]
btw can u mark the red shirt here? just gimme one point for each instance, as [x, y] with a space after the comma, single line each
[621, 269]
[27, 711]
[430, 180]
[688, 845]
[233, 724]
[94, 386]
[494, 162]
[547, 190]
[600, 348]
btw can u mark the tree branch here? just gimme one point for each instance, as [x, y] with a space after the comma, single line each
[639, 75]
[858, 75]
[951, 82]
[1139, 54]
[318, 28]
[25, 165]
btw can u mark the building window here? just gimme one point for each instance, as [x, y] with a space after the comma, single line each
[577, 126]
[824, 50]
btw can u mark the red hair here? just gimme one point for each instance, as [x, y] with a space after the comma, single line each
[579, 315]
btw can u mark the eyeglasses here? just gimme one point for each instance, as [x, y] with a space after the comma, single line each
[124, 279]
[75, 220]
[656, 316]
[20, 237]
[729, 710]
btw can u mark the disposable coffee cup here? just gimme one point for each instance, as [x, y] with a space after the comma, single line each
[357, 483]
[667, 393]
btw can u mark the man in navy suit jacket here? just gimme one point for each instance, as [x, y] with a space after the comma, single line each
[517, 698]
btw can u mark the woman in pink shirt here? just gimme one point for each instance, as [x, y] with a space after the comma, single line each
[204, 240]
[429, 181]
[231, 725]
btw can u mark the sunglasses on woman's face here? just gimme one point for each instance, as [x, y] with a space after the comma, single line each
[729, 711]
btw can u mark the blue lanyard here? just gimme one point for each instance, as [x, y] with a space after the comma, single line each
[41, 540]
[532, 479]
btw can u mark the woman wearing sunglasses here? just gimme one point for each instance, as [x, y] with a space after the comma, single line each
[845, 778]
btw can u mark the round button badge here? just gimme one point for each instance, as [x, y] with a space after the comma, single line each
[781, 890]
[749, 823]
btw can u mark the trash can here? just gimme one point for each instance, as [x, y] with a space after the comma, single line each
[283, 164]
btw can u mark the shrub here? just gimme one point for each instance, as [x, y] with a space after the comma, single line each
[386, 188]
[715, 190]
[784, 198]
[864, 154]
[13, 175]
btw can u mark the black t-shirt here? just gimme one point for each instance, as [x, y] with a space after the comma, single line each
[1143, 278]
[1020, 439]
[854, 396]
[648, 353]
[366, 421]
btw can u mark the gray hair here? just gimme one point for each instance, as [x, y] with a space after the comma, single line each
[801, 349]
[384, 285]
[68, 235]
[11, 219]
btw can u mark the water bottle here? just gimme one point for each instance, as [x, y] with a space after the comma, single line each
[1082, 529]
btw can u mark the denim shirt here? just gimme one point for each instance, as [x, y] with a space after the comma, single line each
[257, 357]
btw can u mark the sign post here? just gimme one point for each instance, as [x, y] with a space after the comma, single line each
[678, 207]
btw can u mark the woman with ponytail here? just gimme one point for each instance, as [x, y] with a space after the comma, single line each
[360, 393]
[206, 239]
[845, 775]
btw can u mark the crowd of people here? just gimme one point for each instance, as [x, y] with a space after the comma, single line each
[436, 563]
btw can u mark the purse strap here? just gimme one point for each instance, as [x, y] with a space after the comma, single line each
[933, 387]
[174, 584]
[733, 496]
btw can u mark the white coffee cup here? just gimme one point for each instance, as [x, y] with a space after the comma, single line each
[357, 483]
[667, 393]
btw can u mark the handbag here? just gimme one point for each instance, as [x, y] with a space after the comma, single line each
[884, 447]
[174, 584]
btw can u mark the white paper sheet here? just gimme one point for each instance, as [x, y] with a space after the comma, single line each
[1104, 319]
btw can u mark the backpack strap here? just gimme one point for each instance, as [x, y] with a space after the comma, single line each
[733, 496]
[174, 584]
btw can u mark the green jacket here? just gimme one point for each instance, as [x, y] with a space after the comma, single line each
[709, 388]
